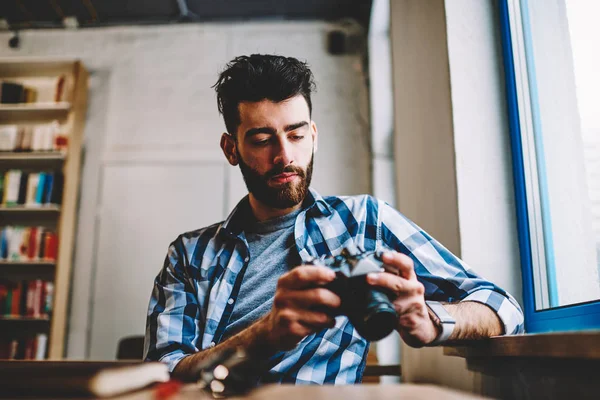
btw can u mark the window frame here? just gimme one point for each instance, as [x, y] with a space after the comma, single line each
[582, 316]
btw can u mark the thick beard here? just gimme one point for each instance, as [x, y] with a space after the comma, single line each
[285, 196]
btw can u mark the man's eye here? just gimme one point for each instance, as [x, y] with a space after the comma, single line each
[260, 142]
[298, 137]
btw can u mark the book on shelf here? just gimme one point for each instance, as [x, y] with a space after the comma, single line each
[24, 348]
[79, 378]
[15, 93]
[38, 137]
[28, 243]
[31, 189]
[31, 299]
[33, 90]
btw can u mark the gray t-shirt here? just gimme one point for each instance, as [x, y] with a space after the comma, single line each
[272, 254]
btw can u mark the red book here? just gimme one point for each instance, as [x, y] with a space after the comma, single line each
[3, 298]
[16, 300]
[29, 349]
[33, 237]
[51, 246]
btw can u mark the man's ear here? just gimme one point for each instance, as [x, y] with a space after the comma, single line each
[228, 146]
[315, 135]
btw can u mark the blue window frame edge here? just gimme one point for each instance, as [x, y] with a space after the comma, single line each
[568, 318]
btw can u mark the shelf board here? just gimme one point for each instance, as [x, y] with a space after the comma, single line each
[33, 112]
[12, 318]
[35, 159]
[46, 215]
[18, 325]
[53, 208]
[26, 264]
[19, 67]
[28, 270]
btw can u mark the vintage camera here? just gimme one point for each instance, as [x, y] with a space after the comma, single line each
[369, 309]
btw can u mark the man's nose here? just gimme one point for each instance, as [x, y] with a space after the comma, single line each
[284, 153]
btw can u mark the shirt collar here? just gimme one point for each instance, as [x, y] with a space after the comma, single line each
[233, 225]
[314, 201]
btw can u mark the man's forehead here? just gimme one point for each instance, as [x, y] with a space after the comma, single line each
[267, 112]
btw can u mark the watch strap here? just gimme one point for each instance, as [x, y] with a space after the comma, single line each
[447, 322]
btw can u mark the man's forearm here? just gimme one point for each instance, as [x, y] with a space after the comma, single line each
[252, 339]
[474, 321]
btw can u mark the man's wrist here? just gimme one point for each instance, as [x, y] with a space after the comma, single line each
[442, 320]
[261, 343]
[437, 325]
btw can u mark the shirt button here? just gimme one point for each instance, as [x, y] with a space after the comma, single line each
[212, 344]
[230, 301]
[247, 259]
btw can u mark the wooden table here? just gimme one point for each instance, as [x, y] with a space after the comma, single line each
[327, 392]
[560, 365]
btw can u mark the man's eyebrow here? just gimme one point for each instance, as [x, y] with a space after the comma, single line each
[262, 129]
[271, 131]
[295, 126]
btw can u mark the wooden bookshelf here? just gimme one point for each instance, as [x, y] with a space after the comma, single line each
[27, 270]
[44, 209]
[32, 160]
[20, 319]
[70, 113]
[35, 112]
[47, 215]
[27, 264]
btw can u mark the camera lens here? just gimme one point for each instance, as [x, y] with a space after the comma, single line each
[378, 317]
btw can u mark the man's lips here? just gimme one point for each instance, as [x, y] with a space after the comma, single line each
[284, 178]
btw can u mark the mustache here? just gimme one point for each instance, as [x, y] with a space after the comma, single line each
[289, 169]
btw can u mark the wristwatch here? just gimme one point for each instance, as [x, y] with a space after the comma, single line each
[446, 321]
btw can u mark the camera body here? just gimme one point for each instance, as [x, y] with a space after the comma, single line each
[369, 308]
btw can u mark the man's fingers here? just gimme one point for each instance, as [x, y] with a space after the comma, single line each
[306, 276]
[308, 298]
[317, 320]
[402, 263]
[304, 322]
[397, 284]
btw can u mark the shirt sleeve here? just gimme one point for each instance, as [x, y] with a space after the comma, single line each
[173, 320]
[445, 276]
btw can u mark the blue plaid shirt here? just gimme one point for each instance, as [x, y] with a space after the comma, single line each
[195, 292]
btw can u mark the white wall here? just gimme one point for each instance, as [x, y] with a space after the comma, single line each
[487, 214]
[152, 111]
[382, 139]
[468, 115]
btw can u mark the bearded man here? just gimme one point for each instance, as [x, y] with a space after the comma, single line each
[243, 283]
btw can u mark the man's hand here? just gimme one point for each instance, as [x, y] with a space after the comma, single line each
[300, 306]
[473, 320]
[414, 323]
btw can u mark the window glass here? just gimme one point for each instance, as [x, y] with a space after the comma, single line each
[556, 49]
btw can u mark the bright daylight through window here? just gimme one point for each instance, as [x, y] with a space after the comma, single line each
[556, 50]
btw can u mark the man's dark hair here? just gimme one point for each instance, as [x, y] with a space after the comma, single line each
[258, 77]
